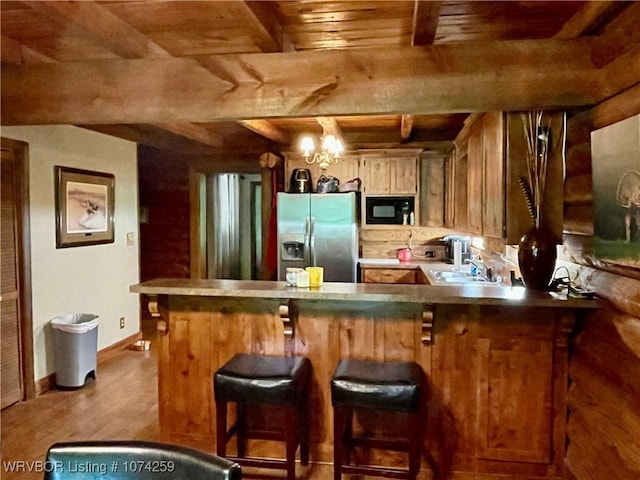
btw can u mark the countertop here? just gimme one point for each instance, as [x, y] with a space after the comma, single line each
[483, 294]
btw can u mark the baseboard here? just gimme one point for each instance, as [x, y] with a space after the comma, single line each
[45, 384]
[48, 383]
[117, 347]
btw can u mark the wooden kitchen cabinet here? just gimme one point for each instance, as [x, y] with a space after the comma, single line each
[503, 433]
[388, 275]
[475, 169]
[490, 154]
[485, 176]
[432, 190]
[493, 182]
[512, 374]
[390, 172]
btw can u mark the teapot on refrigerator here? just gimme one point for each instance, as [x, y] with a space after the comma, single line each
[327, 184]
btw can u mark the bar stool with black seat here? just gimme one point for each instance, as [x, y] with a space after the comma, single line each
[249, 379]
[383, 386]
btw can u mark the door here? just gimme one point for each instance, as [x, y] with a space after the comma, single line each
[15, 312]
[334, 235]
[294, 225]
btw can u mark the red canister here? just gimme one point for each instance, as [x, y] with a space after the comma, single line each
[404, 254]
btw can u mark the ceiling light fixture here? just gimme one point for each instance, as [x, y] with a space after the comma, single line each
[330, 149]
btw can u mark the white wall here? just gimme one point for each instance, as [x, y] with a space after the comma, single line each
[92, 279]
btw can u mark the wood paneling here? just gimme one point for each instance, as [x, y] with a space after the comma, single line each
[494, 374]
[164, 228]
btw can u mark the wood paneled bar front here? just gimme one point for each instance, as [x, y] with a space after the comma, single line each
[494, 359]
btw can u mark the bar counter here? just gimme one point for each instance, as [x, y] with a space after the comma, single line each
[494, 360]
[478, 294]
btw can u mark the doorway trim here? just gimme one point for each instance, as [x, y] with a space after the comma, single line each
[23, 249]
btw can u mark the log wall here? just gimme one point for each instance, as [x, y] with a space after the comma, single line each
[604, 395]
[163, 186]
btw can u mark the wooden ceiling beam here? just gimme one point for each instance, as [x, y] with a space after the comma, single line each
[511, 75]
[10, 50]
[266, 30]
[98, 23]
[587, 18]
[152, 137]
[125, 41]
[330, 126]
[193, 132]
[406, 125]
[426, 15]
[267, 130]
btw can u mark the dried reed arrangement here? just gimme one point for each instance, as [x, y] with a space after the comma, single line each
[539, 149]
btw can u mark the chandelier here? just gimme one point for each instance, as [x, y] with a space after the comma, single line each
[330, 149]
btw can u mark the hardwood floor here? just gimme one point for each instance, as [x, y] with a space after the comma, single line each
[121, 404]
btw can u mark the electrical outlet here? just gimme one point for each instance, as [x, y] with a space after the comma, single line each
[121, 322]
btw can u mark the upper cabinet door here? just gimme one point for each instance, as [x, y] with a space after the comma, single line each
[404, 178]
[376, 175]
[390, 172]
[346, 169]
[474, 178]
[493, 175]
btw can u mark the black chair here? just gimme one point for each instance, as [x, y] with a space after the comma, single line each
[250, 380]
[133, 460]
[381, 386]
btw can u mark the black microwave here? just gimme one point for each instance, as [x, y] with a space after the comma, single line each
[389, 210]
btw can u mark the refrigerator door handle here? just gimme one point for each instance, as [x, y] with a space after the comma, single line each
[312, 241]
[307, 240]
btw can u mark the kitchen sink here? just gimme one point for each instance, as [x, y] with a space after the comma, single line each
[452, 274]
[455, 277]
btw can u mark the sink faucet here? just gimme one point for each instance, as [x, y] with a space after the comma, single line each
[484, 271]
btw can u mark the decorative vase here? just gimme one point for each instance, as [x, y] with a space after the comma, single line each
[537, 258]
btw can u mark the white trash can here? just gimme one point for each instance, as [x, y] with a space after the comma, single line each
[76, 348]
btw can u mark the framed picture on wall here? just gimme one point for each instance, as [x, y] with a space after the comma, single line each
[615, 157]
[84, 207]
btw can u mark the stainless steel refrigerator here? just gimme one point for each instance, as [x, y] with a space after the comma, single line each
[318, 229]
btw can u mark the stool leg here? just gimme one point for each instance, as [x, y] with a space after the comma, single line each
[221, 428]
[303, 427]
[414, 446]
[290, 439]
[242, 430]
[346, 436]
[338, 436]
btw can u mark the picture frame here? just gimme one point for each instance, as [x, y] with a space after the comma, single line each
[615, 163]
[85, 202]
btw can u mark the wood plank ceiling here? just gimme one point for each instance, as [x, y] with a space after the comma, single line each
[245, 76]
